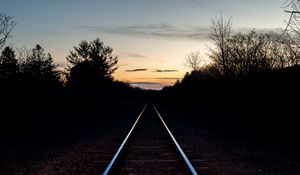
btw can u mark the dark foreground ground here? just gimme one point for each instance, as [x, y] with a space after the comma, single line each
[219, 151]
[78, 137]
[213, 150]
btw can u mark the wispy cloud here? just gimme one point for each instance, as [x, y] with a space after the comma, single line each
[160, 70]
[136, 70]
[148, 85]
[204, 4]
[162, 30]
[136, 55]
[165, 30]
[123, 65]
[160, 78]
[271, 31]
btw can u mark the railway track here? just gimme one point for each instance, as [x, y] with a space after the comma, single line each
[150, 148]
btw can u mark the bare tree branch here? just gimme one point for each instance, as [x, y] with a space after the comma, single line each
[6, 26]
[290, 19]
[193, 60]
[220, 33]
[288, 3]
[292, 29]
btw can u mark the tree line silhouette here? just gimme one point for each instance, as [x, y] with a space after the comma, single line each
[42, 102]
[248, 90]
[92, 66]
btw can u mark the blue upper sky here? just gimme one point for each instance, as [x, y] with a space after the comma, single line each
[145, 34]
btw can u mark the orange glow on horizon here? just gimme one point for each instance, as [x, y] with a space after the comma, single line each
[165, 79]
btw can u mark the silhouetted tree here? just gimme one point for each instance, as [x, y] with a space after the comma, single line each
[220, 33]
[240, 55]
[38, 66]
[193, 60]
[248, 53]
[92, 65]
[283, 52]
[6, 26]
[9, 67]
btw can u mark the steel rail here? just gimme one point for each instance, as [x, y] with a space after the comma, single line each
[187, 161]
[114, 159]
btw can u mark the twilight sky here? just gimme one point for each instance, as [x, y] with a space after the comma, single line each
[150, 37]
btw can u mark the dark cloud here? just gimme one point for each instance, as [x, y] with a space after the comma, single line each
[145, 83]
[161, 78]
[159, 70]
[136, 70]
[168, 78]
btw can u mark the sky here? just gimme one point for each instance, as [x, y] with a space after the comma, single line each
[150, 37]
